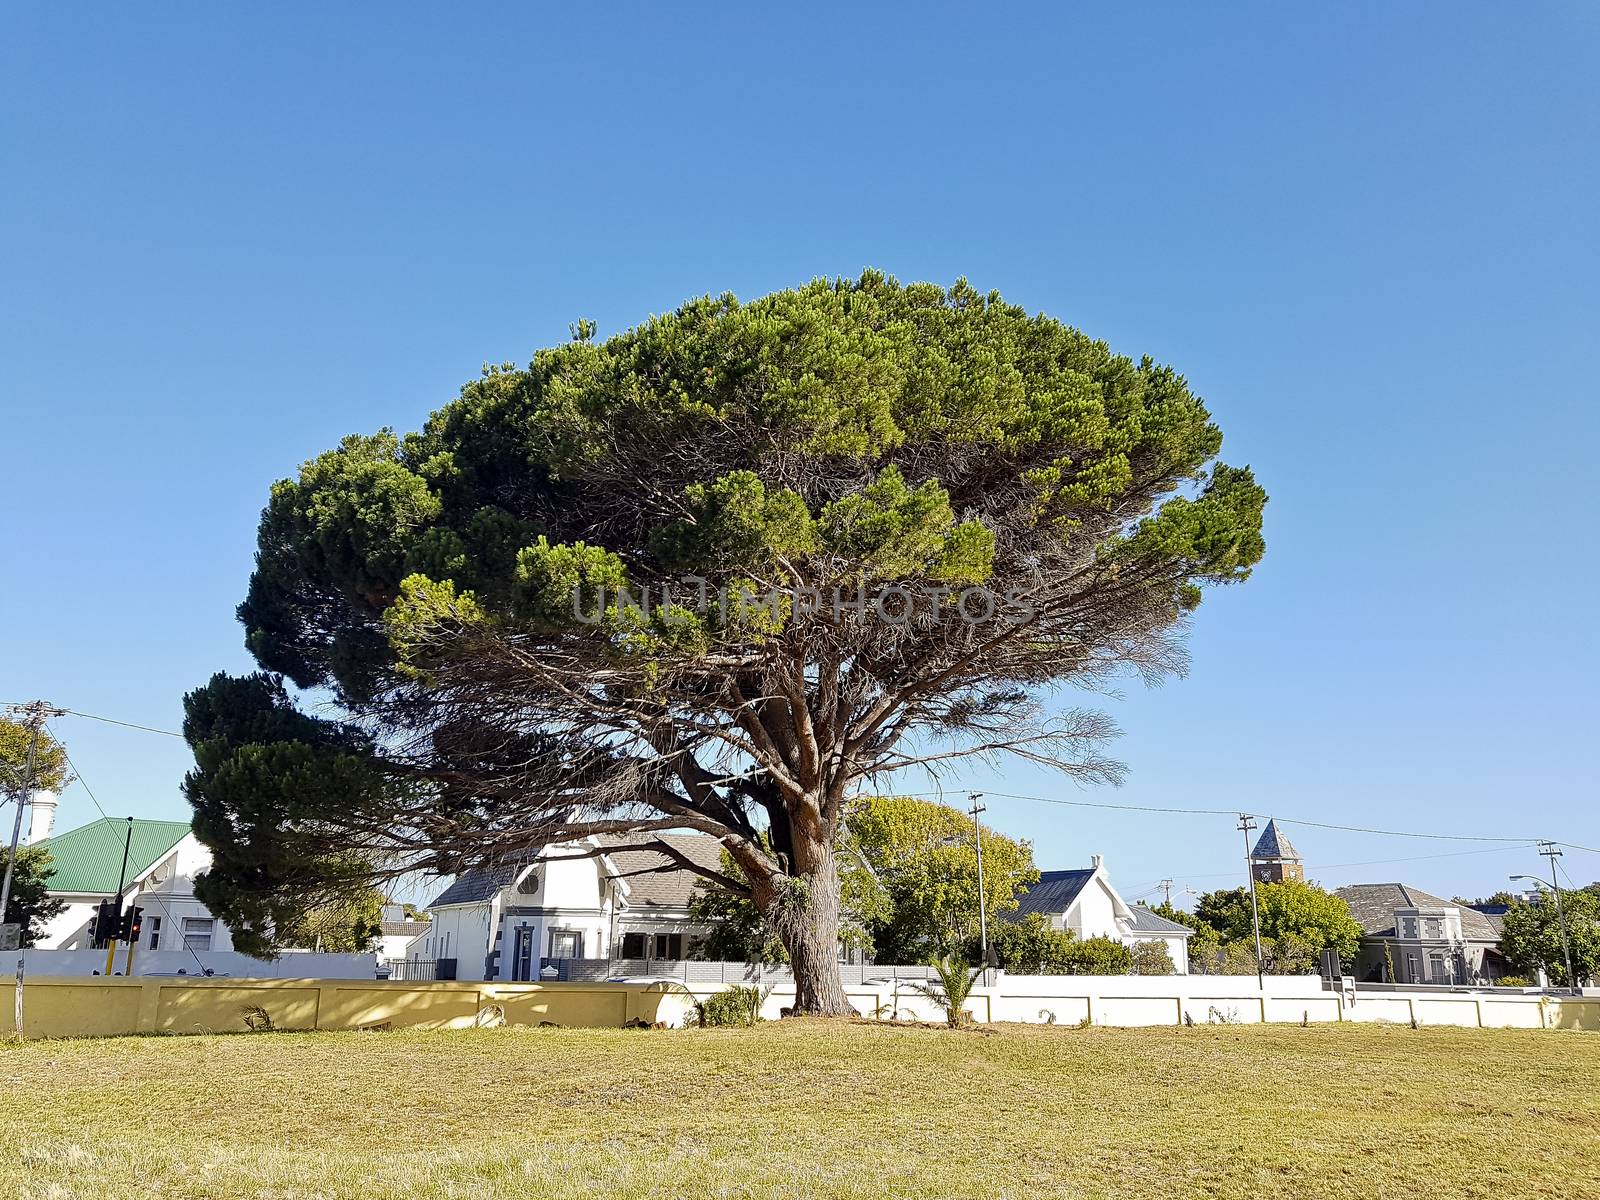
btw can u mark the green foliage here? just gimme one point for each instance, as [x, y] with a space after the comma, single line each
[271, 791]
[737, 931]
[1151, 958]
[1514, 981]
[921, 861]
[1098, 956]
[908, 873]
[950, 988]
[31, 905]
[51, 772]
[456, 594]
[346, 925]
[1298, 921]
[1028, 946]
[1531, 936]
[736, 1005]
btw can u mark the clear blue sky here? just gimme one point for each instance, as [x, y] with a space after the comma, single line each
[1367, 235]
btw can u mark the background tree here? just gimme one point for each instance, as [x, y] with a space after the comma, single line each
[457, 593]
[908, 887]
[1298, 921]
[51, 770]
[1530, 937]
[31, 905]
[346, 925]
[923, 857]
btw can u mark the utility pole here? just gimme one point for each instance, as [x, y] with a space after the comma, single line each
[983, 917]
[33, 716]
[1166, 888]
[122, 879]
[1247, 825]
[1552, 851]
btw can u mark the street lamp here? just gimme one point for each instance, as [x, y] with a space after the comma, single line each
[1561, 918]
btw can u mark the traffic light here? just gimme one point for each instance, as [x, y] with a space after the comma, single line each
[105, 925]
[131, 924]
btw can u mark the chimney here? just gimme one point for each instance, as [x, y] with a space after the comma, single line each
[42, 817]
[1097, 861]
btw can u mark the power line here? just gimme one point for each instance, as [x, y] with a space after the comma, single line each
[79, 775]
[1229, 812]
[125, 724]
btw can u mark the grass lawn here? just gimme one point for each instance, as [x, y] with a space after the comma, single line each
[804, 1109]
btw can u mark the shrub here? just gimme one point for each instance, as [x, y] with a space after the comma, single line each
[1026, 946]
[1514, 981]
[1152, 958]
[1098, 956]
[735, 1006]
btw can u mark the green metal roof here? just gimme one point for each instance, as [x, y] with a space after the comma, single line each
[89, 859]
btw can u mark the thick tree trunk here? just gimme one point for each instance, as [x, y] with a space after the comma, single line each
[804, 910]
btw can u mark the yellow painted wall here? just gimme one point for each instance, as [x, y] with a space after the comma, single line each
[100, 1007]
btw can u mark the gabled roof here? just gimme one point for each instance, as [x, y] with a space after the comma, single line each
[656, 889]
[663, 889]
[1145, 921]
[474, 887]
[1373, 906]
[88, 860]
[1055, 891]
[1274, 843]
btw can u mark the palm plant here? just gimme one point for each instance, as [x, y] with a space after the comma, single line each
[951, 987]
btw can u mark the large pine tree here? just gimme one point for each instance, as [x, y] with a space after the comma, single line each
[712, 574]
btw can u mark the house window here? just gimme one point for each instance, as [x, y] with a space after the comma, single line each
[669, 945]
[1413, 968]
[1438, 973]
[633, 945]
[566, 943]
[155, 933]
[197, 933]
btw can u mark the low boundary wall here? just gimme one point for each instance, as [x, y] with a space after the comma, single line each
[104, 1007]
[1135, 1000]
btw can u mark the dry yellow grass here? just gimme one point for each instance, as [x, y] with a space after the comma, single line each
[803, 1109]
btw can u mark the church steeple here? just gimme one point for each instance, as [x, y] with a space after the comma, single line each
[1275, 859]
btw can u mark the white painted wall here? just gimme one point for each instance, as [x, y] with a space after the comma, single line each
[1133, 1000]
[292, 965]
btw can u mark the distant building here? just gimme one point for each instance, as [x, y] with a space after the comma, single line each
[1410, 936]
[1083, 902]
[596, 899]
[1275, 859]
[400, 936]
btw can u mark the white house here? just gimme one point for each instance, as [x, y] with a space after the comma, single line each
[399, 936]
[163, 858]
[178, 934]
[591, 899]
[1084, 902]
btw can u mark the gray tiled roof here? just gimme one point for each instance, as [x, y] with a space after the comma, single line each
[657, 889]
[1373, 905]
[1274, 843]
[1054, 893]
[474, 887]
[663, 889]
[1145, 921]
